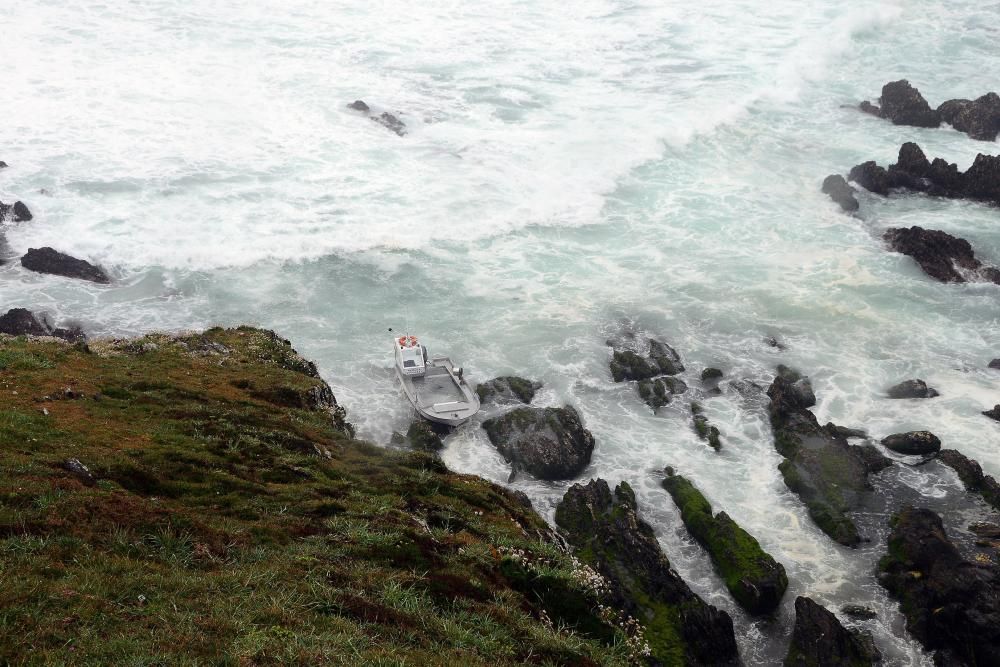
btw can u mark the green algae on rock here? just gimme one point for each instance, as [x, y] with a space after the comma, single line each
[752, 576]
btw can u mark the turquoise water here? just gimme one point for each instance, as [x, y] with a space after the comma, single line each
[566, 169]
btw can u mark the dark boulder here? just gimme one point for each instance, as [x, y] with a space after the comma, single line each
[982, 180]
[752, 576]
[912, 443]
[903, 104]
[704, 428]
[23, 322]
[873, 459]
[819, 640]
[800, 391]
[972, 476]
[872, 177]
[359, 105]
[939, 254]
[772, 341]
[839, 191]
[549, 443]
[609, 536]
[994, 364]
[508, 389]
[912, 389]
[951, 605]
[659, 359]
[859, 611]
[979, 118]
[3, 165]
[17, 212]
[391, 122]
[47, 260]
[847, 432]
[711, 375]
[828, 474]
[654, 392]
[994, 413]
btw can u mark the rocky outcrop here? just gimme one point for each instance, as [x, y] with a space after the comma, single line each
[994, 413]
[385, 119]
[819, 640]
[828, 474]
[912, 443]
[608, 535]
[979, 118]
[23, 322]
[47, 260]
[549, 443]
[508, 389]
[16, 212]
[837, 188]
[972, 476]
[650, 366]
[422, 435]
[711, 375]
[752, 576]
[903, 105]
[704, 428]
[942, 256]
[914, 172]
[951, 605]
[912, 389]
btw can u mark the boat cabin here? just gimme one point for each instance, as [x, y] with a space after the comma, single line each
[410, 356]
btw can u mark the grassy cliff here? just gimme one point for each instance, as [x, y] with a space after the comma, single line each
[200, 500]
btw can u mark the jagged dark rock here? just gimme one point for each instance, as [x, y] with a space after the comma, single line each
[508, 389]
[859, 611]
[845, 432]
[951, 605]
[903, 105]
[979, 118]
[648, 369]
[828, 474]
[47, 260]
[752, 576]
[994, 364]
[654, 392]
[16, 212]
[972, 476]
[940, 255]
[841, 192]
[3, 165]
[391, 122]
[994, 413]
[608, 535]
[710, 375]
[819, 640]
[912, 389]
[23, 322]
[913, 442]
[549, 443]
[359, 105]
[772, 341]
[705, 429]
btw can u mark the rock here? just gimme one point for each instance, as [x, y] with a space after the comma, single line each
[904, 105]
[952, 606]
[661, 359]
[771, 341]
[871, 177]
[994, 413]
[939, 254]
[422, 435]
[22, 322]
[508, 389]
[753, 577]
[549, 443]
[800, 390]
[47, 260]
[609, 536]
[994, 364]
[829, 475]
[982, 179]
[839, 191]
[870, 108]
[859, 611]
[705, 430]
[979, 118]
[388, 120]
[819, 640]
[17, 212]
[913, 442]
[846, 432]
[654, 392]
[912, 389]
[873, 459]
[3, 165]
[80, 471]
[359, 105]
[972, 476]
[710, 375]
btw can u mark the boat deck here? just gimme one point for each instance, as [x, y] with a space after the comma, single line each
[436, 387]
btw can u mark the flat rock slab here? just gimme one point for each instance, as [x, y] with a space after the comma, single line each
[912, 443]
[47, 260]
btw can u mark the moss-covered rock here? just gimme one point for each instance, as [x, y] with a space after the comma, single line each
[972, 476]
[819, 640]
[654, 392]
[705, 429]
[422, 435]
[752, 576]
[549, 443]
[608, 535]
[508, 388]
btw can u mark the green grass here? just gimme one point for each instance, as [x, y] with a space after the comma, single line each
[231, 524]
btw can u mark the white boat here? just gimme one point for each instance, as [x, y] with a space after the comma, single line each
[434, 387]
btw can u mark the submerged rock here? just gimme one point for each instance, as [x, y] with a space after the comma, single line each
[705, 429]
[839, 191]
[828, 474]
[17, 212]
[903, 105]
[23, 322]
[608, 535]
[951, 605]
[912, 389]
[913, 442]
[508, 389]
[752, 576]
[940, 255]
[972, 476]
[359, 105]
[385, 119]
[819, 640]
[711, 375]
[859, 611]
[549, 443]
[979, 118]
[47, 260]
